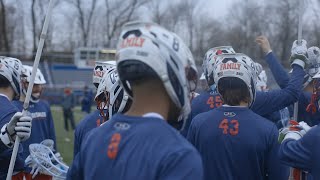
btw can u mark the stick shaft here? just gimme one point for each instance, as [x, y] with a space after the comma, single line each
[300, 21]
[30, 86]
[295, 107]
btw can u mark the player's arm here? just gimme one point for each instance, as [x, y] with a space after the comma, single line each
[274, 100]
[185, 164]
[278, 71]
[192, 131]
[77, 141]
[275, 169]
[296, 151]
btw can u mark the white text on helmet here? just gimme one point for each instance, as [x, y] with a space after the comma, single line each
[235, 66]
[132, 42]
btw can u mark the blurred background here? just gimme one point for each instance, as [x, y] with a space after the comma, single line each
[84, 31]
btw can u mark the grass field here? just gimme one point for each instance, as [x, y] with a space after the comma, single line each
[65, 148]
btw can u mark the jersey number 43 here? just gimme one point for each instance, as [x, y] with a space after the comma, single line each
[229, 127]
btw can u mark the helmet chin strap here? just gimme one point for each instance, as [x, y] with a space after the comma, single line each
[33, 98]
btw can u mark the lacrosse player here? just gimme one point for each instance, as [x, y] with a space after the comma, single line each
[235, 142]
[39, 110]
[12, 122]
[93, 119]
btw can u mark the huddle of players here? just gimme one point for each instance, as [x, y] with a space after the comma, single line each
[151, 86]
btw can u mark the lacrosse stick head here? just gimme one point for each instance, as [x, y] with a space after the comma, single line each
[49, 143]
[45, 159]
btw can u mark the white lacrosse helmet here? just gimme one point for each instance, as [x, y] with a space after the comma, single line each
[44, 161]
[240, 66]
[210, 59]
[159, 53]
[258, 68]
[110, 95]
[11, 69]
[202, 77]
[26, 74]
[314, 60]
[262, 81]
[99, 70]
[26, 77]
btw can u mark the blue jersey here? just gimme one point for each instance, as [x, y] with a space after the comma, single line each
[89, 122]
[304, 153]
[7, 110]
[42, 124]
[128, 147]
[236, 143]
[202, 103]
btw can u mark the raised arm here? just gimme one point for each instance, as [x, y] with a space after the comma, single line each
[278, 71]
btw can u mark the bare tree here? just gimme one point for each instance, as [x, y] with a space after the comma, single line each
[4, 43]
[117, 14]
[285, 18]
[38, 12]
[84, 16]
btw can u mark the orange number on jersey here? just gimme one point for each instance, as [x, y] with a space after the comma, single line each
[114, 145]
[235, 130]
[210, 101]
[224, 124]
[218, 101]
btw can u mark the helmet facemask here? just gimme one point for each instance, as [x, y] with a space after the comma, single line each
[103, 102]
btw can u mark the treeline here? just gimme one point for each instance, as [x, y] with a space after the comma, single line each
[96, 23]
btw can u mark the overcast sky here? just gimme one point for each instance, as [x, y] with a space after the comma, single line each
[217, 8]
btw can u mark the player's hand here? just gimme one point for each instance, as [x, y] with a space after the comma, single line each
[294, 131]
[264, 44]
[19, 125]
[299, 54]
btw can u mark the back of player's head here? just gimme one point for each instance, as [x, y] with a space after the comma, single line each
[235, 76]
[111, 96]
[147, 51]
[11, 70]
[233, 91]
[100, 68]
[210, 59]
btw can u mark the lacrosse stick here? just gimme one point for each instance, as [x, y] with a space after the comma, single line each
[30, 86]
[44, 161]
